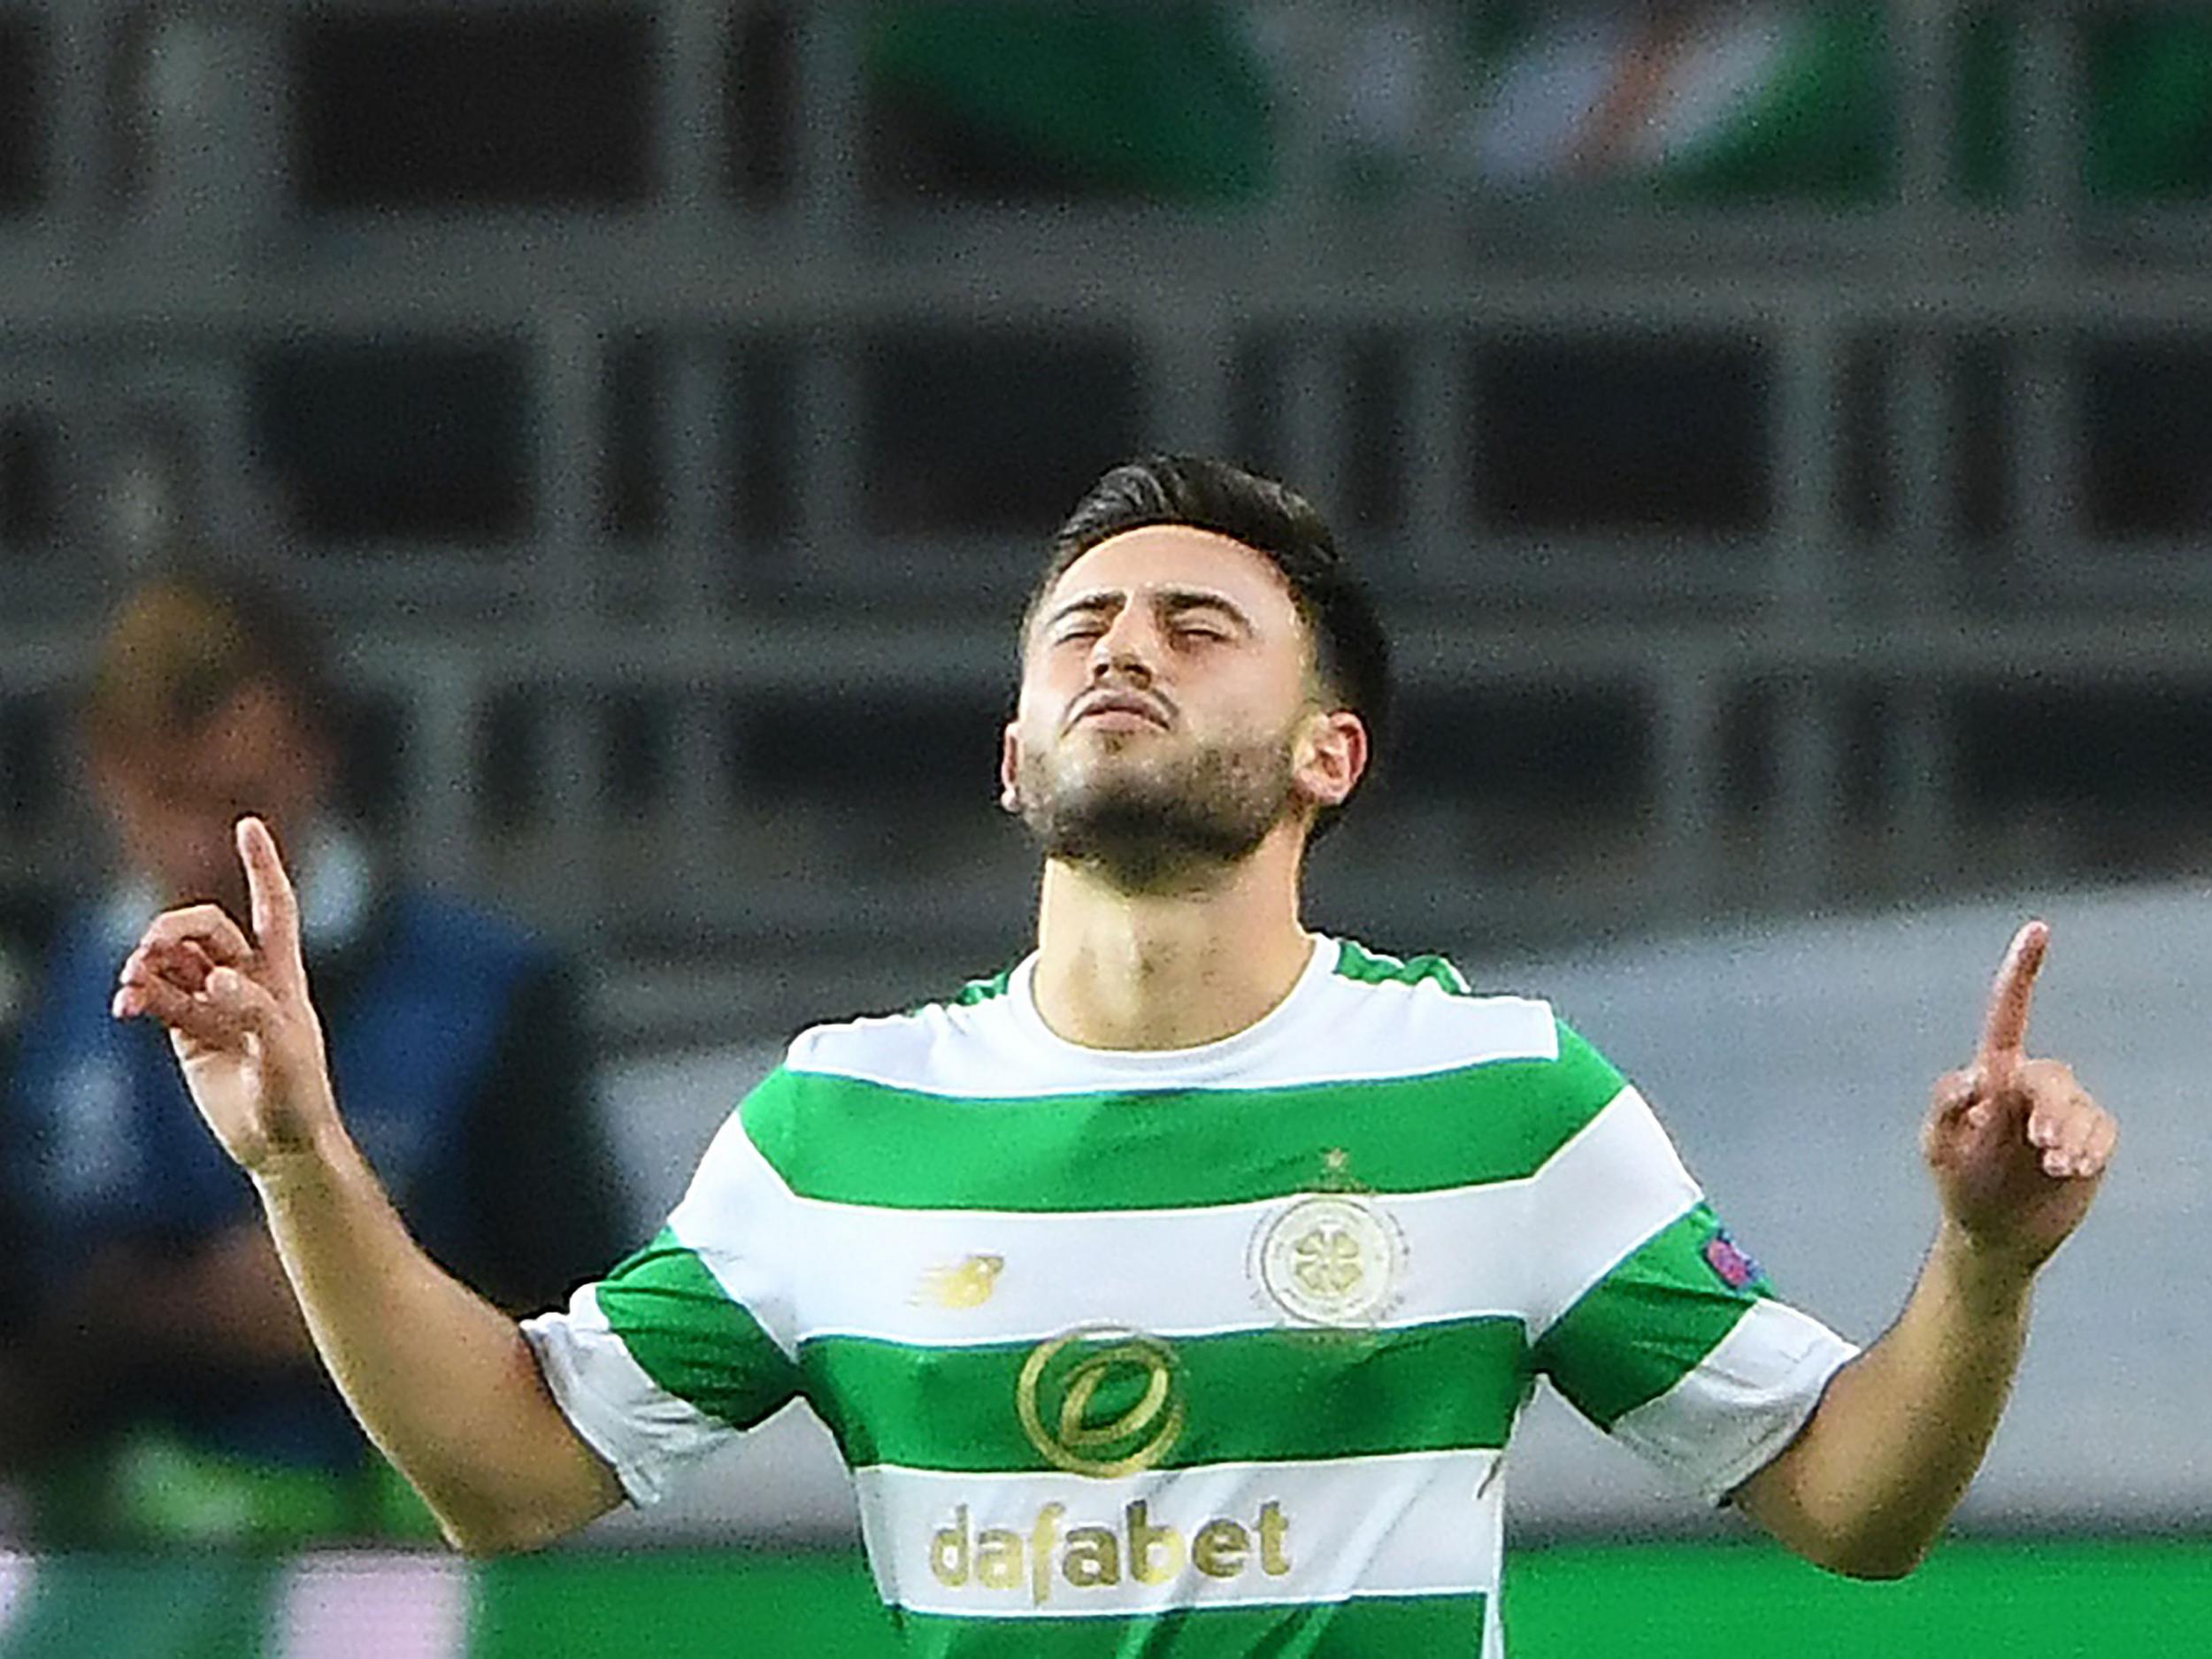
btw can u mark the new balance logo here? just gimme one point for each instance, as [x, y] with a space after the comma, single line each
[967, 1283]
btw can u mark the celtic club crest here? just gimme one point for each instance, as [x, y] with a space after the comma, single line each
[1334, 1260]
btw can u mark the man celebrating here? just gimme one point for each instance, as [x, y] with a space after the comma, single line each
[1189, 1275]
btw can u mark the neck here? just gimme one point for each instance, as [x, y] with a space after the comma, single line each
[1117, 969]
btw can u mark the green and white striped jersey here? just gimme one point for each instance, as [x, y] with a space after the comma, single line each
[1213, 1351]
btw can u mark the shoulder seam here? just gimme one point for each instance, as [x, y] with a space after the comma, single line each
[1362, 966]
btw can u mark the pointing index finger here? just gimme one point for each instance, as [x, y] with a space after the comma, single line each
[2005, 1031]
[275, 907]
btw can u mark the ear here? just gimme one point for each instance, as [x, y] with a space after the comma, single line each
[1009, 770]
[1331, 757]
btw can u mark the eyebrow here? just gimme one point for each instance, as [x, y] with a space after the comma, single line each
[1171, 601]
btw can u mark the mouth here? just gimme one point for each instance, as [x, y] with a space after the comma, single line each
[1118, 710]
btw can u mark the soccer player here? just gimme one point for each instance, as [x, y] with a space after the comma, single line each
[1182, 1284]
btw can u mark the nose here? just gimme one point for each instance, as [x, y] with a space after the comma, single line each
[1123, 650]
[1119, 664]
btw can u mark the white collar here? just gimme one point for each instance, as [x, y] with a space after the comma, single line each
[1222, 1056]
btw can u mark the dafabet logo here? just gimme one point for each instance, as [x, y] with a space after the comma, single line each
[1098, 1557]
[1104, 1403]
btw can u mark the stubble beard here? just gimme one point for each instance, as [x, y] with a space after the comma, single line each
[1152, 825]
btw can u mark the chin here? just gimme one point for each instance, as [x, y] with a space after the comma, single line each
[1120, 794]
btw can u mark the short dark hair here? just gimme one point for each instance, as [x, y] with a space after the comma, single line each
[1351, 653]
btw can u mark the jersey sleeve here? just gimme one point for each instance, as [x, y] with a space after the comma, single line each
[689, 1342]
[1650, 1321]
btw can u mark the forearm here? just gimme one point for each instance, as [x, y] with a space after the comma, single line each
[1867, 1486]
[442, 1381]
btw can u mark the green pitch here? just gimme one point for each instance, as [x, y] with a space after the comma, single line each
[2038, 1599]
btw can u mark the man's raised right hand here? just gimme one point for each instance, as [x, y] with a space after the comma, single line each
[238, 1013]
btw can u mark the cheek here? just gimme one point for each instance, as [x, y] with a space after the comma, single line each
[146, 823]
[1021, 744]
[1047, 689]
[1257, 707]
[1027, 725]
[196, 830]
[182, 849]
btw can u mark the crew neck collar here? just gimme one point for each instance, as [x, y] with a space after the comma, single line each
[1221, 1054]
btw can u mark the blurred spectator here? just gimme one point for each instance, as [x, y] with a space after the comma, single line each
[1773, 99]
[157, 1386]
[1708, 96]
[1698, 99]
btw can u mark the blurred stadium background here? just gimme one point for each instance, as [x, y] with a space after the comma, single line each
[1779, 433]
